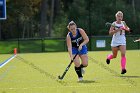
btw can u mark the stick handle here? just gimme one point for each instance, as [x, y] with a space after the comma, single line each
[74, 57]
[68, 67]
[110, 24]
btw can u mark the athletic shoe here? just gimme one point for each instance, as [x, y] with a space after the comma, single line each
[80, 79]
[108, 61]
[82, 71]
[123, 71]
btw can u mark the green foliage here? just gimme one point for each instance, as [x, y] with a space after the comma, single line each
[92, 15]
[60, 26]
[23, 16]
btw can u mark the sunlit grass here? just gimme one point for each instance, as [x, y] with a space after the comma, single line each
[38, 72]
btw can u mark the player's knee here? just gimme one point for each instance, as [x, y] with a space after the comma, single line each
[85, 65]
[122, 55]
[77, 65]
[114, 56]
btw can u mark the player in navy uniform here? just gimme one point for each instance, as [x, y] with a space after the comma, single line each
[76, 43]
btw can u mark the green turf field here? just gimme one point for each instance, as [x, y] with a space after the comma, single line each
[37, 73]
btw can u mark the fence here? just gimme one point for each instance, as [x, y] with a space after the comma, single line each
[97, 43]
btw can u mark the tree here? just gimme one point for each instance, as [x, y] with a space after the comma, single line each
[43, 18]
[51, 18]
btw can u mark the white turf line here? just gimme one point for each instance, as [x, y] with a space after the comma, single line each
[7, 61]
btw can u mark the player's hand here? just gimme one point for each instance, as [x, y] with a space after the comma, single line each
[126, 29]
[71, 57]
[117, 30]
[80, 47]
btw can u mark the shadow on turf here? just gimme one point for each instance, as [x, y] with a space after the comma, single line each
[42, 71]
[126, 78]
[131, 76]
[87, 81]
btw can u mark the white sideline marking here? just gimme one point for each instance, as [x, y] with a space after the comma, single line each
[7, 61]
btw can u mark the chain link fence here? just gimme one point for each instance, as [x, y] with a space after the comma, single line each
[97, 43]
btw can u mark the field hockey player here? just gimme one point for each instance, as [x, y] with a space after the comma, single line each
[76, 43]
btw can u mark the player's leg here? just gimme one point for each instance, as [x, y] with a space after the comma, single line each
[84, 63]
[113, 55]
[84, 58]
[77, 63]
[123, 58]
[78, 68]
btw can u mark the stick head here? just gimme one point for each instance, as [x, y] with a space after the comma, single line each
[59, 77]
[134, 41]
[108, 24]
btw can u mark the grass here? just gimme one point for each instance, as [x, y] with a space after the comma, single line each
[37, 73]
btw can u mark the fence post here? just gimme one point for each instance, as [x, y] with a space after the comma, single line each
[65, 45]
[90, 34]
[138, 45]
[43, 45]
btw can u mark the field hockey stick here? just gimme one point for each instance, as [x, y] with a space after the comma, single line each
[138, 40]
[130, 31]
[110, 24]
[61, 77]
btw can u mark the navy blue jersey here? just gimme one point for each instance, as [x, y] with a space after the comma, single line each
[76, 40]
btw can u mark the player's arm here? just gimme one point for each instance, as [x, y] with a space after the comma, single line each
[137, 40]
[112, 30]
[85, 37]
[126, 28]
[69, 45]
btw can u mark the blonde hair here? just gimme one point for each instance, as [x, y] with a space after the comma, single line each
[119, 13]
[70, 24]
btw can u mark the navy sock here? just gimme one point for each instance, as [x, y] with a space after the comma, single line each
[78, 71]
[82, 66]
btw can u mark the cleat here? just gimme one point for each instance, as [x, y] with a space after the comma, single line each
[107, 61]
[82, 71]
[123, 71]
[80, 79]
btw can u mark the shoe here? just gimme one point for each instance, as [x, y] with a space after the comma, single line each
[107, 61]
[123, 71]
[80, 79]
[82, 71]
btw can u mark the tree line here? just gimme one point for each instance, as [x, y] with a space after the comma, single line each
[49, 18]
